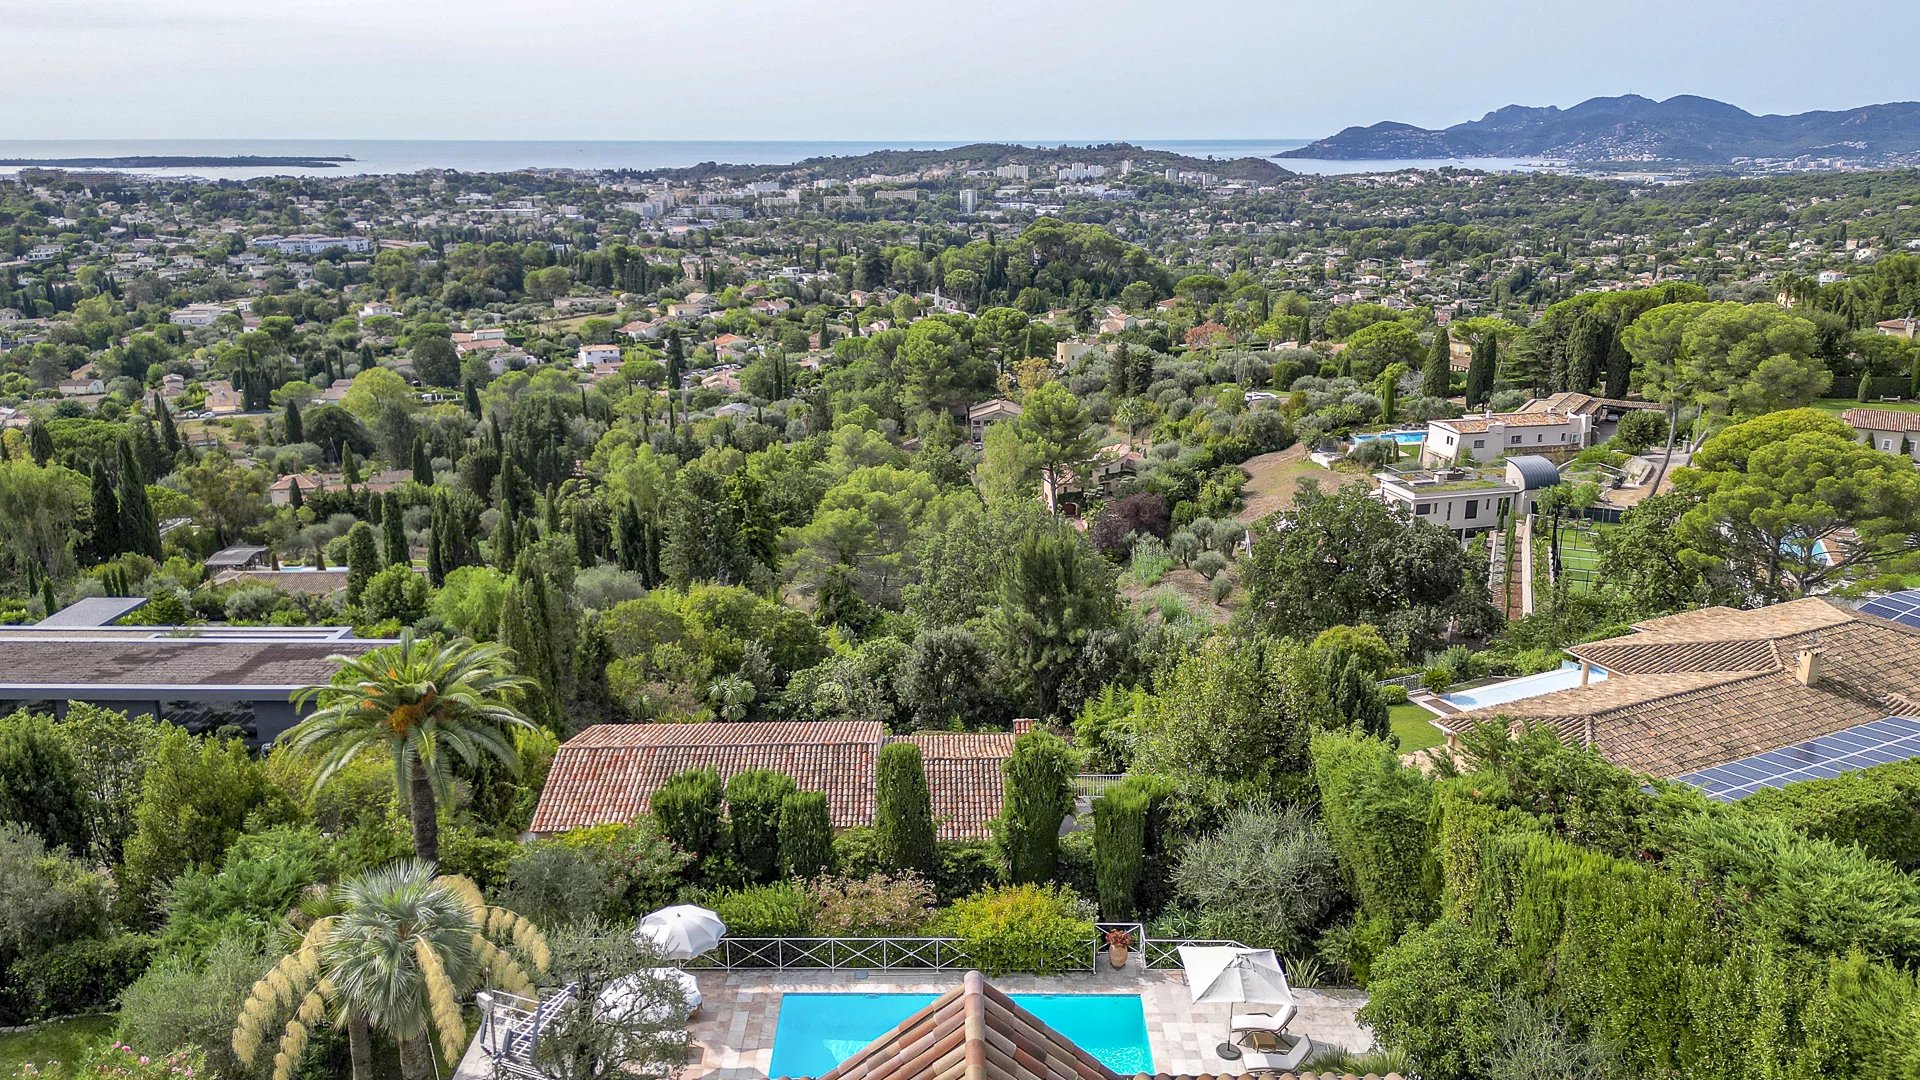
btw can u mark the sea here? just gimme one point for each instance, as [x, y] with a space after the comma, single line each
[385, 156]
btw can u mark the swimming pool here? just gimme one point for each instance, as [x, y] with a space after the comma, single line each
[1404, 438]
[1566, 677]
[818, 1031]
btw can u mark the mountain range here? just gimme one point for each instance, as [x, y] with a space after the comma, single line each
[1633, 128]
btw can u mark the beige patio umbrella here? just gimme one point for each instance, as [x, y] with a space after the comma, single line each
[1229, 975]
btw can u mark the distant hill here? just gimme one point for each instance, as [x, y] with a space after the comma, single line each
[994, 155]
[1634, 128]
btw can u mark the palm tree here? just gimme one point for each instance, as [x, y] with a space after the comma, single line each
[415, 700]
[397, 952]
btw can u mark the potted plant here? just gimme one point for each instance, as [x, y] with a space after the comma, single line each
[1118, 942]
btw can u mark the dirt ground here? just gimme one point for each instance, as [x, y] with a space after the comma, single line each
[1277, 476]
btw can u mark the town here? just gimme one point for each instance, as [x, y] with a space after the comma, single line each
[1090, 610]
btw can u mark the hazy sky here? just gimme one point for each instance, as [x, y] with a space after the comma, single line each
[903, 69]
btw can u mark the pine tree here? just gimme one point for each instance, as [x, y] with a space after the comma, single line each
[1435, 379]
[903, 810]
[393, 531]
[363, 559]
[296, 428]
[422, 462]
[107, 540]
[139, 528]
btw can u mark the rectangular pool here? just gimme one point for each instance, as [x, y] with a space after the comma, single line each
[1404, 438]
[1546, 682]
[818, 1031]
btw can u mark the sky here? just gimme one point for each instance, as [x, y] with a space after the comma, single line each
[870, 70]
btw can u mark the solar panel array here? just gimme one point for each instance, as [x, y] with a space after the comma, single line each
[1877, 742]
[1900, 607]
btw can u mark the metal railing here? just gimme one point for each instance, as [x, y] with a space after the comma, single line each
[835, 953]
[1094, 784]
[1162, 953]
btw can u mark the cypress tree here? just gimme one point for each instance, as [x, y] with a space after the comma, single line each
[107, 541]
[806, 835]
[363, 559]
[903, 810]
[1435, 380]
[169, 435]
[1480, 370]
[349, 468]
[592, 697]
[583, 545]
[1039, 794]
[471, 392]
[687, 807]
[294, 498]
[422, 462]
[46, 594]
[754, 798]
[39, 442]
[393, 531]
[296, 428]
[1119, 850]
[436, 566]
[139, 529]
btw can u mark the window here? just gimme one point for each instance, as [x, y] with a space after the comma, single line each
[1473, 508]
[1423, 508]
[1513, 439]
[1479, 443]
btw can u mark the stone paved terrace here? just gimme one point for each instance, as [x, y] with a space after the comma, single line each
[733, 1035]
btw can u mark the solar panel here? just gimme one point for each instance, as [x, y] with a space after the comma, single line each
[1877, 742]
[1901, 607]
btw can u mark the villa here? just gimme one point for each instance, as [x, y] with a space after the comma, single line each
[1764, 695]
[1886, 429]
[1467, 501]
[1484, 438]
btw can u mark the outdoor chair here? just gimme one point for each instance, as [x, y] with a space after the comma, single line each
[1265, 1032]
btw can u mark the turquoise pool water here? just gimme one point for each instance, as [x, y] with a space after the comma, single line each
[1566, 677]
[818, 1031]
[1404, 438]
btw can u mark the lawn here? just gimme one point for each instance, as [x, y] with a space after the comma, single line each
[1840, 405]
[62, 1040]
[1412, 724]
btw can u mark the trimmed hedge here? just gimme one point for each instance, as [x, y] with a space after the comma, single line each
[806, 835]
[1376, 813]
[1876, 809]
[754, 801]
[83, 976]
[1119, 850]
[687, 807]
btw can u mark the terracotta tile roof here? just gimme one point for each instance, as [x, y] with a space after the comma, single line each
[609, 772]
[1881, 420]
[1469, 425]
[1707, 687]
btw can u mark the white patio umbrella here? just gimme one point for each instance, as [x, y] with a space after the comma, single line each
[681, 932]
[632, 995]
[1226, 975]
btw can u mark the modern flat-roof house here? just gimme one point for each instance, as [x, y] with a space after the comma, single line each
[1484, 438]
[1737, 700]
[1466, 500]
[1885, 429]
[609, 772]
[1605, 412]
[201, 677]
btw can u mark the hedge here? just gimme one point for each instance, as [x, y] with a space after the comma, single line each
[754, 800]
[83, 976]
[687, 807]
[1119, 850]
[806, 835]
[1377, 815]
[1876, 809]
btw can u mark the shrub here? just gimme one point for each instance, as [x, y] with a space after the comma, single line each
[85, 976]
[1031, 929]
[1267, 876]
[1435, 996]
[778, 910]
[397, 594]
[856, 852]
[754, 801]
[874, 906]
[180, 1004]
[806, 835]
[555, 883]
[903, 811]
[1039, 795]
[1208, 564]
[40, 782]
[966, 867]
[1119, 850]
[484, 859]
[644, 867]
[1376, 818]
[688, 809]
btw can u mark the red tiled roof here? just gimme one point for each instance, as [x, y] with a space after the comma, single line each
[609, 772]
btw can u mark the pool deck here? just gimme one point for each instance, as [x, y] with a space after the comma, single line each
[733, 1035]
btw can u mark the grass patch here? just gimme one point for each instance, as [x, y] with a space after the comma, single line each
[1580, 558]
[1840, 405]
[62, 1040]
[1411, 723]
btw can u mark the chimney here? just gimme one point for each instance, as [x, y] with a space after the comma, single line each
[1023, 725]
[1806, 667]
